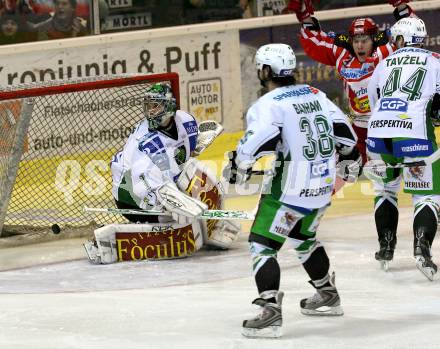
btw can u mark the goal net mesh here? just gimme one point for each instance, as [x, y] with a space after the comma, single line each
[74, 130]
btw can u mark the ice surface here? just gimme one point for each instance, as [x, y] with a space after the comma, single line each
[200, 302]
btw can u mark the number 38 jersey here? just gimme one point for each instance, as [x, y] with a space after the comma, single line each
[303, 126]
[400, 92]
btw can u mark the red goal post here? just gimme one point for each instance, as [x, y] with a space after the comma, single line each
[56, 142]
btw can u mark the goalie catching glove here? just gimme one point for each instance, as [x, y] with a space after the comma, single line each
[183, 208]
[208, 132]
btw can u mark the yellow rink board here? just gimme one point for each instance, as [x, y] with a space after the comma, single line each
[40, 192]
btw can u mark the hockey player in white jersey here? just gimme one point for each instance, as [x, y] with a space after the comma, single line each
[305, 130]
[155, 171]
[404, 95]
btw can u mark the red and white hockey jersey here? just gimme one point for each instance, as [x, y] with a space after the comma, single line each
[355, 75]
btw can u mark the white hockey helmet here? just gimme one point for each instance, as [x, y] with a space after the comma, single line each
[280, 58]
[412, 29]
[159, 105]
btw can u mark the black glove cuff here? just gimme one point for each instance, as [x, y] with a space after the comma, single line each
[312, 26]
[406, 12]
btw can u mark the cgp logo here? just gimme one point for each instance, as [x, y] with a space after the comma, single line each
[286, 72]
[393, 104]
[319, 169]
[418, 39]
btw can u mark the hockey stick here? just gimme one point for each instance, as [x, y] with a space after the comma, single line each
[207, 214]
[425, 162]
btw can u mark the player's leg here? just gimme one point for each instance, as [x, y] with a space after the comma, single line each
[386, 216]
[312, 255]
[426, 214]
[423, 182]
[267, 236]
[386, 183]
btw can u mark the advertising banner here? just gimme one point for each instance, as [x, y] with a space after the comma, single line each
[207, 65]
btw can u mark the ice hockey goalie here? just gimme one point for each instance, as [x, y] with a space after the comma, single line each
[155, 171]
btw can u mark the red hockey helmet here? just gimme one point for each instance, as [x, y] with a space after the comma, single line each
[363, 26]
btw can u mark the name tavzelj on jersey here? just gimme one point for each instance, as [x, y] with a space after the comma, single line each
[296, 93]
[405, 60]
[393, 104]
[392, 123]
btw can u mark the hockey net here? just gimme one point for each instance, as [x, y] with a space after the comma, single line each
[56, 143]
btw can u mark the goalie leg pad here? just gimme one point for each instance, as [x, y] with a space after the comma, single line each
[223, 234]
[120, 242]
[92, 251]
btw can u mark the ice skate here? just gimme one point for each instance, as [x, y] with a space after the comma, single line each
[325, 301]
[386, 250]
[422, 254]
[92, 251]
[268, 322]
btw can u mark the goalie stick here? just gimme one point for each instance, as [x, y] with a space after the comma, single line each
[207, 214]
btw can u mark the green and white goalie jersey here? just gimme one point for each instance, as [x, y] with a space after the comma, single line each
[303, 127]
[150, 159]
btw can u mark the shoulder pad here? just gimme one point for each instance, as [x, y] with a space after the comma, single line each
[342, 40]
[381, 38]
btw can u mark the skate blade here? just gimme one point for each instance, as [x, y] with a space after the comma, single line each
[266, 332]
[384, 265]
[427, 271]
[324, 311]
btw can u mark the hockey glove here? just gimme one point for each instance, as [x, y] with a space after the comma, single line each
[232, 173]
[406, 11]
[381, 38]
[302, 8]
[312, 26]
[396, 3]
[435, 110]
[349, 167]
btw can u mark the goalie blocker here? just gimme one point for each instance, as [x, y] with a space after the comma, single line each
[168, 240]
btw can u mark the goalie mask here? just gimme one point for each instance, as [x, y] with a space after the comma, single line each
[159, 105]
[412, 30]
